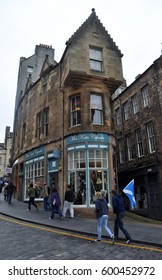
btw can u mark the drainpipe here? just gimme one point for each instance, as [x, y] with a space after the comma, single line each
[63, 124]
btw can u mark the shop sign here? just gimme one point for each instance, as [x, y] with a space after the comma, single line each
[88, 137]
[56, 153]
[8, 170]
[34, 153]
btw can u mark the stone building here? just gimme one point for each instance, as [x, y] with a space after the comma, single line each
[138, 126]
[63, 129]
[5, 153]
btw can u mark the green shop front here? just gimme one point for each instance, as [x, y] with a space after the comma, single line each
[88, 166]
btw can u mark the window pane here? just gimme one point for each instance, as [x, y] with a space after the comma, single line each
[96, 101]
[95, 54]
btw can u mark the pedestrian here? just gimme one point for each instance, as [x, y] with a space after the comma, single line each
[46, 193]
[102, 216]
[5, 190]
[55, 204]
[10, 189]
[68, 202]
[31, 193]
[119, 210]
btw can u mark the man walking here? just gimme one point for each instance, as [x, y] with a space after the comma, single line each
[119, 210]
[10, 189]
[68, 203]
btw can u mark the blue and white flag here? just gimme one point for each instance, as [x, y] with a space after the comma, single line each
[129, 191]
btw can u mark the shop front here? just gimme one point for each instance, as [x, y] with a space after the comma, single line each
[53, 167]
[34, 171]
[88, 167]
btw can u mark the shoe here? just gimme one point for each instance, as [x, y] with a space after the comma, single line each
[62, 218]
[27, 210]
[128, 241]
[113, 239]
[97, 240]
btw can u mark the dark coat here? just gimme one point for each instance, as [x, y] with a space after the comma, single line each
[10, 188]
[101, 207]
[69, 196]
[118, 204]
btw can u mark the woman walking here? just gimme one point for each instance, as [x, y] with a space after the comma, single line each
[102, 216]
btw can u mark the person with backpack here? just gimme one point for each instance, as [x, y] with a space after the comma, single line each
[55, 204]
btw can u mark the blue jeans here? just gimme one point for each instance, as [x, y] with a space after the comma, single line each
[119, 224]
[55, 209]
[102, 223]
[45, 203]
[9, 197]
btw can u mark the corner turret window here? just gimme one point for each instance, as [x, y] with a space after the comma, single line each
[75, 110]
[95, 59]
[96, 109]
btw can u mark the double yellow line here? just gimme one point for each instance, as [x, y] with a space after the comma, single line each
[61, 232]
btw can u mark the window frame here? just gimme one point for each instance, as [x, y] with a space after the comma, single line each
[126, 110]
[151, 137]
[96, 59]
[75, 110]
[98, 110]
[46, 122]
[140, 150]
[145, 96]
[135, 103]
[118, 117]
[39, 125]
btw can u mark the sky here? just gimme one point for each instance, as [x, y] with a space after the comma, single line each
[134, 25]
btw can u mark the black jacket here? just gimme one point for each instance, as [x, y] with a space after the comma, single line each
[69, 196]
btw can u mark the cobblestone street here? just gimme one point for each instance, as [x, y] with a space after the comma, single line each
[21, 241]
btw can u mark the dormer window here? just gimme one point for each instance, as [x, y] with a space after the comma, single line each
[29, 71]
[95, 59]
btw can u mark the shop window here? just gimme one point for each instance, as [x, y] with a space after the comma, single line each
[97, 165]
[96, 109]
[75, 110]
[95, 59]
[34, 172]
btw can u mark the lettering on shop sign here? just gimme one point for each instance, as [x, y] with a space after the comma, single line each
[88, 137]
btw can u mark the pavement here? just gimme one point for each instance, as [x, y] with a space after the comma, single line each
[142, 230]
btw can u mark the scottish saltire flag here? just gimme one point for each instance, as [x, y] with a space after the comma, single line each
[129, 191]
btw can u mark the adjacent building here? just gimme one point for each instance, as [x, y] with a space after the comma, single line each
[5, 154]
[63, 125]
[138, 129]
